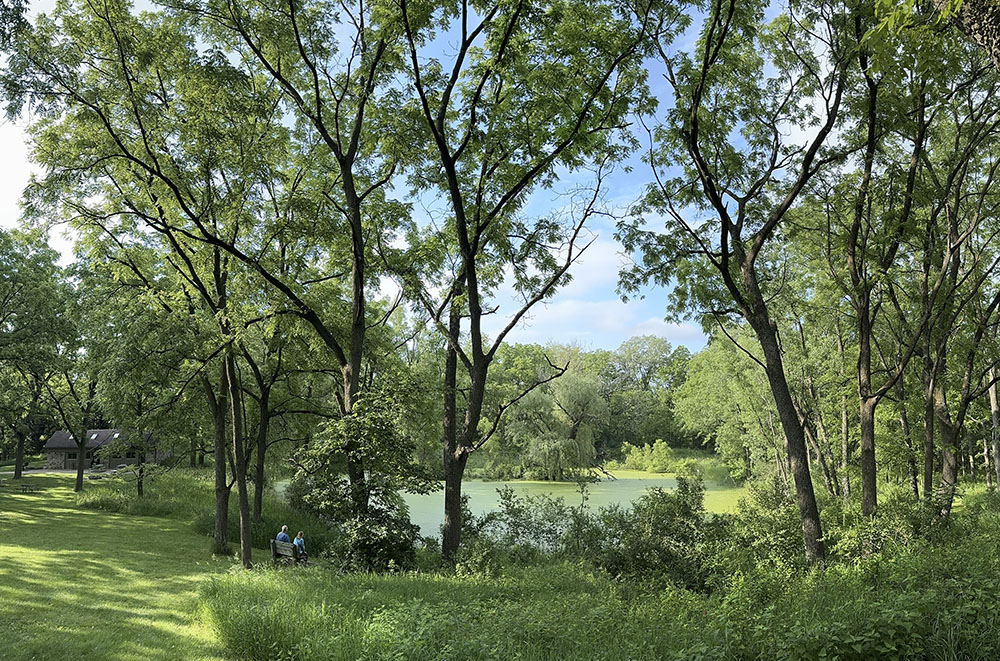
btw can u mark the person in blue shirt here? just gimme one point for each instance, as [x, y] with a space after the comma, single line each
[283, 535]
[301, 543]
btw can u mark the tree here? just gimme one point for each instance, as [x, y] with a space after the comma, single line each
[530, 90]
[734, 195]
[31, 293]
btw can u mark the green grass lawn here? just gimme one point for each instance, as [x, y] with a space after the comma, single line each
[82, 584]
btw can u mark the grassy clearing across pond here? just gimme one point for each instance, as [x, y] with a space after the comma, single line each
[81, 584]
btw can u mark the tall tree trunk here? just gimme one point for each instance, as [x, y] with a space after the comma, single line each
[971, 456]
[454, 459]
[995, 418]
[949, 449]
[262, 433]
[904, 430]
[812, 535]
[352, 370]
[19, 457]
[845, 427]
[869, 486]
[928, 426]
[987, 461]
[240, 457]
[81, 461]
[218, 406]
[140, 470]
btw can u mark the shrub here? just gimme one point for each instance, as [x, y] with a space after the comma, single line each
[662, 536]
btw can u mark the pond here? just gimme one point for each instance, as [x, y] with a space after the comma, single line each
[427, 511]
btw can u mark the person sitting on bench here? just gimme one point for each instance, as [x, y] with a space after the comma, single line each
[283, 535]
[301, 543]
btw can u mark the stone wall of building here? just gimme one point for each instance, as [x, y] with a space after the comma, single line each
[55, 459]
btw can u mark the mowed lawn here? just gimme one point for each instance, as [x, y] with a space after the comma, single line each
[81, 584]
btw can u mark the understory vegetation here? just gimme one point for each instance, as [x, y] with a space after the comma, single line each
[540, 580]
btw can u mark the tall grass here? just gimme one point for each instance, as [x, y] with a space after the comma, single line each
[933, 597]
[551, 612]
[919, 607]
[177, 493]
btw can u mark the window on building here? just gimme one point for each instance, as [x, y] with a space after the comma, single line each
[130, 454]
[71, 455]
[117, 434]
[93, 436]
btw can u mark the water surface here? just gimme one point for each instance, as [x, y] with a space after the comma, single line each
[427, 511]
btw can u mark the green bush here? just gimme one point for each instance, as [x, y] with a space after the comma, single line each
[725, 587]
[381, 539]
[662, 536]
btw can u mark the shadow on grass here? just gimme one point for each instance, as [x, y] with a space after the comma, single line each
[86, 584]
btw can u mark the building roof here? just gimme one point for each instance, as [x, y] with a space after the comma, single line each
[63, 440]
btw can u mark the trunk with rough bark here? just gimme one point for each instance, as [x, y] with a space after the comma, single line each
[949, 433]
[904, 430]
[240, 458]
[262, 432]
[218, 406]
[869, 486]
[987, 461]
[845, 426]
[995, 419]
[971, 456]
[81, 460]
[979, 20]
[140, 470]
[454, 461]
[928, 425]
[812, 535]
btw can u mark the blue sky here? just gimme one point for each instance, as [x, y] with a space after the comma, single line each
[587, 311]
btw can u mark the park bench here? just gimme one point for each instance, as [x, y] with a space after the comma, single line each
[29, 488]
[285, 552]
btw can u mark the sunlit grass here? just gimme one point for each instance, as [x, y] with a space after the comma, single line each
[82, 584]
